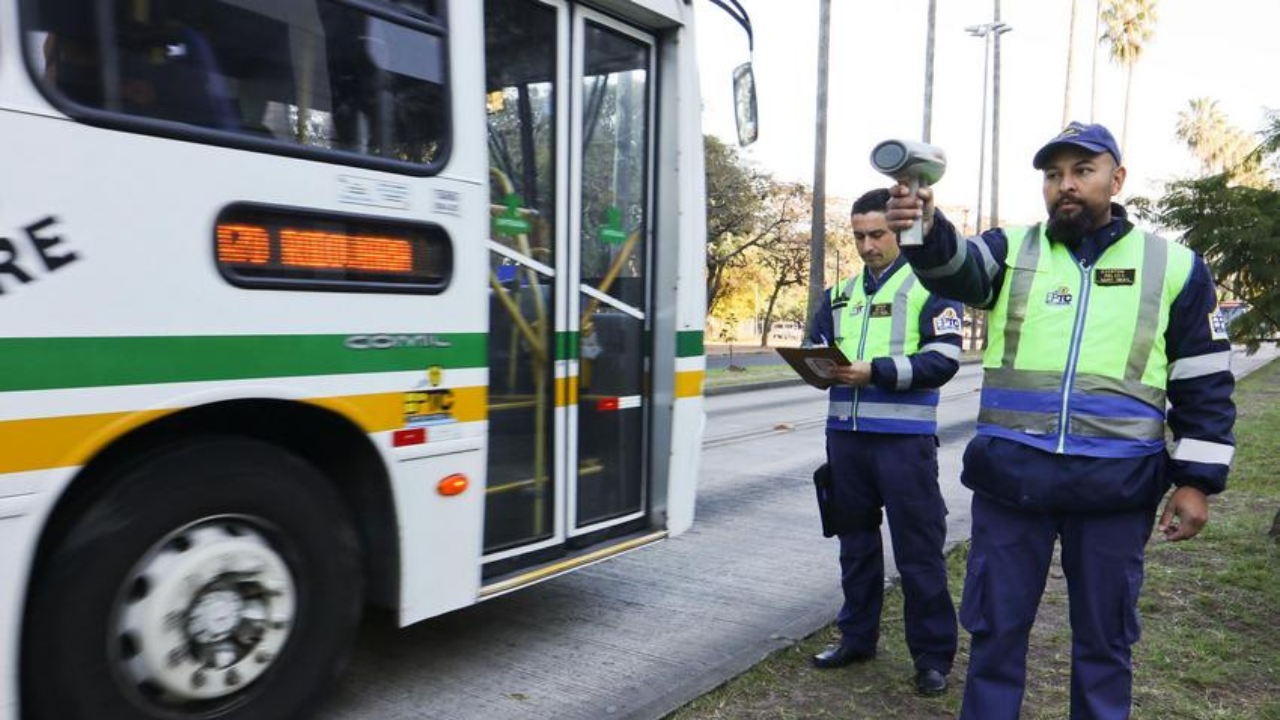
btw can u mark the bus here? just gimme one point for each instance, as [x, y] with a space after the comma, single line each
[315, 305]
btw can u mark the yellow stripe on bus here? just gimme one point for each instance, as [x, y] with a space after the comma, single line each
[385, 411]
[689, 384]
[64, 441]
[43, 443]
[566, 391]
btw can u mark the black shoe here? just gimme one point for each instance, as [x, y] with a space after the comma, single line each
[840, 655]
[930, 682]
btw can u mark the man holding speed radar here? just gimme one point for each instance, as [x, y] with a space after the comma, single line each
[1096, 327]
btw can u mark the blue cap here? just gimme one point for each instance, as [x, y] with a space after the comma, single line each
[1094, 138]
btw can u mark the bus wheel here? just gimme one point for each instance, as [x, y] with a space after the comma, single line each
[219, 578]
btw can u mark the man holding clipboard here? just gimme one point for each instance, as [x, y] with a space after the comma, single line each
[901, 345]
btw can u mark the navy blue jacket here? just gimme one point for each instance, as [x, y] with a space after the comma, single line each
[1201, 415]
[928, 369]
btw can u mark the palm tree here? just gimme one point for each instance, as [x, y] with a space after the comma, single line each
[1071, 46]
[1219, 145]
[1130, 25]
[1204, 129]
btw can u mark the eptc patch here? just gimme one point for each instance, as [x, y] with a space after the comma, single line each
[1218, 325]
[947, 322]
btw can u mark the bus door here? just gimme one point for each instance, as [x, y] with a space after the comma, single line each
[570, 108]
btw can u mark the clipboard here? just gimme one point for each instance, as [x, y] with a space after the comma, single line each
[814, 364]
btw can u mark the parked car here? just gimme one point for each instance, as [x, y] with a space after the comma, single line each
[786, 331]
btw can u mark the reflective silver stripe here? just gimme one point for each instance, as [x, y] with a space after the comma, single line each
[953, 265]
[989, 263]
[1089, 384]
[898, 331]
[1203, 451]
[1020, 293]
[1022, 421]
[895, 411]
[944, 349]
[1119, 428]
[841, 410]
[1085, 384]
[1007, 379]
[849, 287]
[1155, 261]
[903, 366]
[1200, 365]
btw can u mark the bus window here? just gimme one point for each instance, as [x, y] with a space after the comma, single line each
[307, 73]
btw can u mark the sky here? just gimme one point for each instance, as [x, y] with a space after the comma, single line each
[1222, 49]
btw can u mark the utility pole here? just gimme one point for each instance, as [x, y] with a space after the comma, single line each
[1093, 80]
[928, 73]
[1000, 29]
[1071, 54]
[987, 31]
[817, 230]
[984, 32]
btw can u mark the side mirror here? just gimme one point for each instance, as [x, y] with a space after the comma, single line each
[744, 104]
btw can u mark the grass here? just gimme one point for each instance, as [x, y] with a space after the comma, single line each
[1210, 648]
[749, 375]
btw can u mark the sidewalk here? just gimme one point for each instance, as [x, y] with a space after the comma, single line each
[1210, 608]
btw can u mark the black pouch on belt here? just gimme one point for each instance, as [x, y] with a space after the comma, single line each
[837, 521]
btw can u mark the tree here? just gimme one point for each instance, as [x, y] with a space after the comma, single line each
[1237, 229]
[1220, 146]
[785, 260]
[738, 216]
[1130, 26]
[1204, 129]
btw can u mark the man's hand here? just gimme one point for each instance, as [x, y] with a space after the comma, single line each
[1191, 508]
[903, 210]
[858, 374]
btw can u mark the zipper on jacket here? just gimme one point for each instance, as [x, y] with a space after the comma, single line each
[1073, 356]
[862, 346]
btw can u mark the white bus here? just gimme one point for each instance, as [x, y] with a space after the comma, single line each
[307, 305]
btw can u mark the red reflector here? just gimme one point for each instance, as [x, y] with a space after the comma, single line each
[606, 404]
[413, 436]
[453, 485]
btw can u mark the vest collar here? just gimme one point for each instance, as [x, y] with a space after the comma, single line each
[869, 281]
[1095, 243]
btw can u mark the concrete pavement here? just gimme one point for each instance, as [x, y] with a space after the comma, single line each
[642, 634]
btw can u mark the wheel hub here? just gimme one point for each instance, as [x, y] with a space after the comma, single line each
[205, 613]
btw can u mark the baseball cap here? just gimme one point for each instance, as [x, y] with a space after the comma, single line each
[1094, 138]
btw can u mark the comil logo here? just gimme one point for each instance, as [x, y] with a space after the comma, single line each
[1058, 298]
[389, 342]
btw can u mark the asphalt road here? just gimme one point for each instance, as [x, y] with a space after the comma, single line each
[642, 634]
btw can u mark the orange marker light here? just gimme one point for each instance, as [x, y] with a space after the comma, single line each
[455, 484]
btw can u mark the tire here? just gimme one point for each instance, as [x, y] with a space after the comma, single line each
[253, 535]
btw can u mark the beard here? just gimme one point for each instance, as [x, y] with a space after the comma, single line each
[1069, 227]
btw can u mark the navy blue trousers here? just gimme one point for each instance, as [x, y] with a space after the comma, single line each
[1102, 556]
[900, 474]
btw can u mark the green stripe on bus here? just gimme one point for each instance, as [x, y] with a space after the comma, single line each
[689, 344]
[567, 345]
[52, 363]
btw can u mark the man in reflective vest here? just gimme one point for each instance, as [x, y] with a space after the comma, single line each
[1094, 325]
[882, 447]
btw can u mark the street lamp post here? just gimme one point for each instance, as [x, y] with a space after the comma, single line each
[985, 31]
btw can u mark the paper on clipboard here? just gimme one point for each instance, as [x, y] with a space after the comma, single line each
[816, 365]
